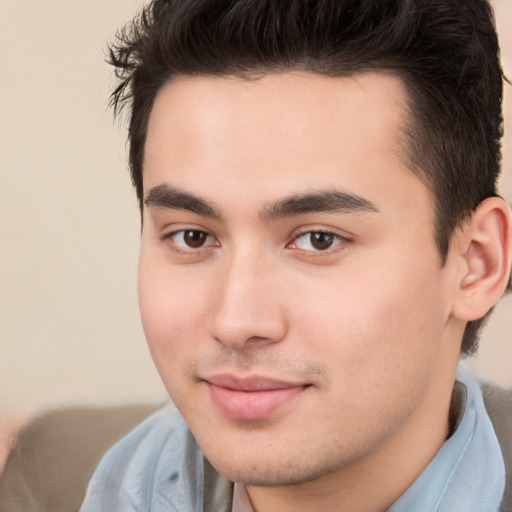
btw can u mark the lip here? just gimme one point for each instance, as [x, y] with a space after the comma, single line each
[252, 398]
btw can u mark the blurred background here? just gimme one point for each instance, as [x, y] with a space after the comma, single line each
[69, 226]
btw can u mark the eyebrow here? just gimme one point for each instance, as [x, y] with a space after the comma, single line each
[330, 200]
[165, 196]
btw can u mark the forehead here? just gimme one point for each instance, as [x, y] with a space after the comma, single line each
[290, 106]
[277, 130]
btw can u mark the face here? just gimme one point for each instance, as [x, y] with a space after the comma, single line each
[289, 283]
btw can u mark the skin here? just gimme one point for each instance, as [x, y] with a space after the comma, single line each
[366, 325]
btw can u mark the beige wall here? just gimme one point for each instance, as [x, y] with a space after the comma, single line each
[69, 325]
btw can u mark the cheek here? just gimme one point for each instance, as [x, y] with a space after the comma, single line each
[172, 304]
[376, 323]
[171, 312]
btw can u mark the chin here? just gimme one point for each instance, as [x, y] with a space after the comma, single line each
[265, 476]
[271, 471]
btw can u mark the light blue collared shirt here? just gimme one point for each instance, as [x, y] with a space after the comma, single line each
[468, 472]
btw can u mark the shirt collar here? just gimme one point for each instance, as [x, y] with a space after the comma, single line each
[241, 501]
[468, 472]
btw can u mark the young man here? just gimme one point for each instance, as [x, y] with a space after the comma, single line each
[321, 239]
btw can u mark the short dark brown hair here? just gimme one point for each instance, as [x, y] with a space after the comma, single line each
[445, 51]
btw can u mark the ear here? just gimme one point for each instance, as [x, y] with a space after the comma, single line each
[485, 256]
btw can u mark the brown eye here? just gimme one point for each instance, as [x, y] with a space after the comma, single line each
[318, 241]
[195, 239]
[321, 241]
[191, 239]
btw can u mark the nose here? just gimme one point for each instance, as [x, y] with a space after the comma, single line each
[247, 309]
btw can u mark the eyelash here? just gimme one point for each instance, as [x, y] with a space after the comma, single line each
[183, 246]
[337, 242]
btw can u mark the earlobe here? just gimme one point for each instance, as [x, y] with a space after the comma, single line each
[486, 255]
